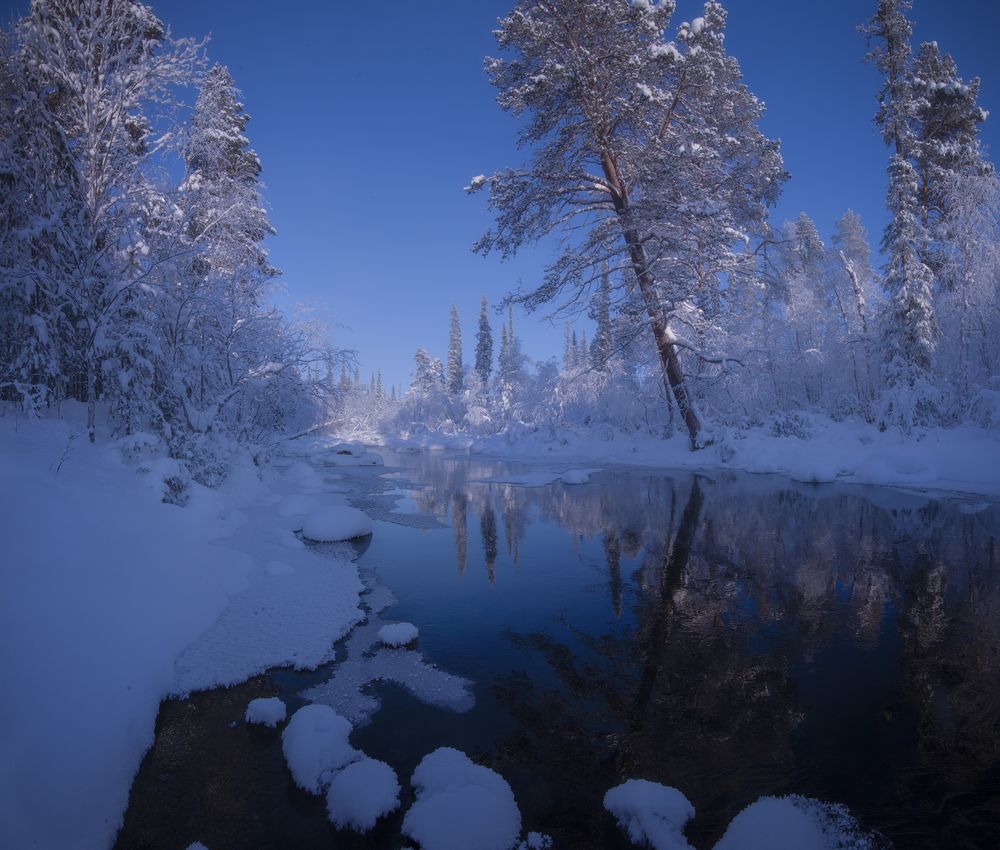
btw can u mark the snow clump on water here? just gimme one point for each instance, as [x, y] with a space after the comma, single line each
[268, 711]
[652, 814]
[335, 523]
[315, 746]
[398, 634]
[461, 805]
[361, 793]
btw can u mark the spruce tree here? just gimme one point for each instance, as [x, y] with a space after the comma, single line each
[484, 344]
[456, 371]
[600, 312]
[909, 329]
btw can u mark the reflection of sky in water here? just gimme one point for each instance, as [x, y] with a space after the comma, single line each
[743, 637]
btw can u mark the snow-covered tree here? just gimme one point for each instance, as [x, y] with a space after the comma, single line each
[109, 71]
[946, 119]
[484, 344]
[647, 149]
[456, 370]
[909, 329]
[600, 312]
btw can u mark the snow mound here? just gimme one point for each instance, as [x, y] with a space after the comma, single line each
[576, 476]
[315, 746]
[334, 523]
[398, 634]
[794, 823]
[813, 470]
[461, 805]
[269, 711]
[361, 793]
[279, 568]
[653, 814]
[297, 504]
[197, 846]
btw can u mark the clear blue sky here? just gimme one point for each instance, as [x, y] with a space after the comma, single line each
[370, 118]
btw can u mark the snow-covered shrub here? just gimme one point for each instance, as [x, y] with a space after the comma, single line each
[791, 424]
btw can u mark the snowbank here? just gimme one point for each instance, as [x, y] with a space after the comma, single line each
[398, 634]
[265, 711]
[964, 459]
[315, 746]
[361, 793]
[105, 609]
[461, 805]
[653, 814]
[335, 523]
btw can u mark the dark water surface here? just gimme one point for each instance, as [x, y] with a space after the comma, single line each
[733, 636]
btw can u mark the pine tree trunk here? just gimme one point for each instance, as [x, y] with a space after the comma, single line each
[673, 375]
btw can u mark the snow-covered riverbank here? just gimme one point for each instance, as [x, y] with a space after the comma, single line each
[114, 600]
[962, 460]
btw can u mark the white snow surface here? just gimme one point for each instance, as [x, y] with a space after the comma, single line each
[398, 634]
[651, 813]
[315, 746]
[361, 793]
[334, 523]
[461, 805]
[114, 600]
[265, 711]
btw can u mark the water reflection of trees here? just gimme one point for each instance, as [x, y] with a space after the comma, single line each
[739, 592]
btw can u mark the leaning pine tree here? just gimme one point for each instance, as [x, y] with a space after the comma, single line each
[638, 142]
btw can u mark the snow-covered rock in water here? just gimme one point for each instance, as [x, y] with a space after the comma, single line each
[398, 634]
[297, 504]
[813, 470]
[794, 823]
[353, 454]
[654, 815]
[461, 805]
[315, 746]
[336, 522]
[265, 711]
[361, 793]
[575, 476]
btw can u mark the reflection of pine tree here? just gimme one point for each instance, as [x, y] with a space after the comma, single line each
[613, 552]
[488, 529]
[459, 519]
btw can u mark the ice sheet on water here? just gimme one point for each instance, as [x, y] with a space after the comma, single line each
[345, 689]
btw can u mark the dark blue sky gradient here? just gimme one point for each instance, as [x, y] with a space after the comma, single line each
[370, 118]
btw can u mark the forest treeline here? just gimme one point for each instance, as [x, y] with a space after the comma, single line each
[648, 168]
